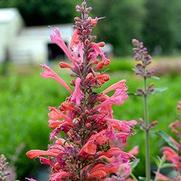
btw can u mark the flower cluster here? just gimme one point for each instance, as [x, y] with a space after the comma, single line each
[143, 58]
[86, 141]
[173, 155]
[4, 172]
[142, 69]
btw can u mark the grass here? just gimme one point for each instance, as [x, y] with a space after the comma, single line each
[25, 97]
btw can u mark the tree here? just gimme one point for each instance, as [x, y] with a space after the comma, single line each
[122, 23]
[43, 12]
[160, 27]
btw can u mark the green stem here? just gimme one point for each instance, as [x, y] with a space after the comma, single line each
[134, 178]
[147, 136]
[159, 167]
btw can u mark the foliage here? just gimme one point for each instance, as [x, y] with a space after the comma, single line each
[124, 21]
[38, 12]
[161, 25]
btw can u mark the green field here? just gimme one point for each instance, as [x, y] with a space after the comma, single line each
[25, 97]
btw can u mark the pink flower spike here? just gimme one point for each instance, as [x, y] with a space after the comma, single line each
[86, 142]
[49, 73]
[77, 94]
[57, 39]
[119, 85]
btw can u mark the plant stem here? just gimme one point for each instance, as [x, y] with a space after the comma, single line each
[134, 178]
[159, 167]
[147, 136]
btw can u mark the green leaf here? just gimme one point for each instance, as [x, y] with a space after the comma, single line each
[160, 90]
[167, 165]
[134, 163]
[157, 160]
[142, 178]
[166, 137]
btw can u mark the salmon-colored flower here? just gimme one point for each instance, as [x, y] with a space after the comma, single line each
[49, 73]
[99, 172]
[118, 98]
[117, 85]
[77, 94]
[89, 148]
[124, 126]
[96, 47]
[75, 39]
[172, 156]
[65, 65]
[56, 114]
[102, 78]
[36, 153]
[134, 151]
[94, 21]
[57, 39]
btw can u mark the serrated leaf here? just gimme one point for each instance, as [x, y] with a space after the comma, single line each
[166, 137]
[134, 163]
[160, 90]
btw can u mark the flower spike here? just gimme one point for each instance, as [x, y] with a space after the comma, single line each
[87, 143]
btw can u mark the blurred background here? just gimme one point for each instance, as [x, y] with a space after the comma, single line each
[24, 44]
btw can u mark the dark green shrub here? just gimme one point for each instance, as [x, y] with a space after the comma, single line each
[124, 21]
[161, 26]
[43, 12]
